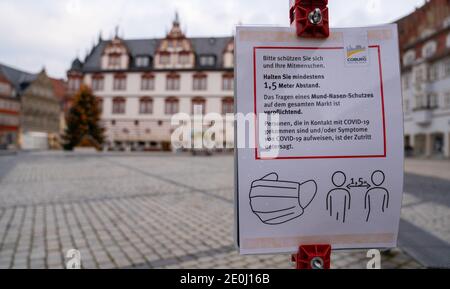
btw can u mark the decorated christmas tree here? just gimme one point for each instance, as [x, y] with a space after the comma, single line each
[83, 122]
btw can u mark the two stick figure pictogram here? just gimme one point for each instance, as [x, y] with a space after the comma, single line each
[339, 199]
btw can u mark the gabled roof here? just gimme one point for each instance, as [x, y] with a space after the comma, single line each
[139, 47]
[18, 78]
[136, 47]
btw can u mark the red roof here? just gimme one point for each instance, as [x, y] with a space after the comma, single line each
[59, 88]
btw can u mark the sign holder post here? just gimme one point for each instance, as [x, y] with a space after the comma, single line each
[312, 257]
[310, 18]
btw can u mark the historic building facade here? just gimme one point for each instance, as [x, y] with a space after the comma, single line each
[425, 50]
[39, 108]
[141, 84]
[9, 114]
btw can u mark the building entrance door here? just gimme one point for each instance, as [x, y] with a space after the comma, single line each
[438, 144]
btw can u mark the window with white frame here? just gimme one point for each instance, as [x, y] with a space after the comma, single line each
[198, 105]
[409, 57]
[227, 105]
[228, 82]
[432, 100]
[98, 82]
[173, 82]
[142, 61]
[118, 105]
[74, 83]
[200, 82]
[446, 23]
[114, 60]
[447, 68]
[148, 82]
[407, 80]
[433, 72]
[120, 82]
[429, 49]
[183, 58]
[420, 101]
[419, 75]
[207, 60]
[171, 106]
[447, 100]
[164, 58]
[146, 105]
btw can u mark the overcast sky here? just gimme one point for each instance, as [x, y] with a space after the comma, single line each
[50, 33]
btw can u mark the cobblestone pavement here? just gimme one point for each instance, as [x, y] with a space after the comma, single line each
[427, 205]
[427, 202]
[430, 168]
[139, 211]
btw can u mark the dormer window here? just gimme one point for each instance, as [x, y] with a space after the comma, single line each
[207, 60]
[114, 60]
[183, 58]
[164, 58]
[115, 55]
[142, 61]
[175, 50]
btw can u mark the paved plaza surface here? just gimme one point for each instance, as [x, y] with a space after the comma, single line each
[164, 211]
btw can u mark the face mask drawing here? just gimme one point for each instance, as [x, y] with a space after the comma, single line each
[276, 202]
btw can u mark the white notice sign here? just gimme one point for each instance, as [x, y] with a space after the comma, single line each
[322, 161]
